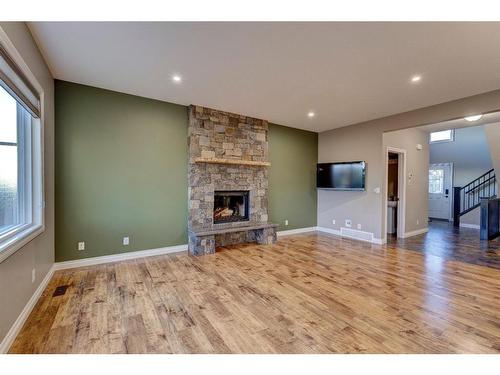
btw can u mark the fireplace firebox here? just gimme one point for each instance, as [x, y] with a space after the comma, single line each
[231, 206]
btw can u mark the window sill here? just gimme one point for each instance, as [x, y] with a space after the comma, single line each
[14, 243]
[443, 141]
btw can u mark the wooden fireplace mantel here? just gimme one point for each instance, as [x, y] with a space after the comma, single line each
[233, 162]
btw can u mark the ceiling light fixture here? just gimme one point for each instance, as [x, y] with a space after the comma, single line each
[416, 79]
[176, 78]
[310, 114]
[473, 118]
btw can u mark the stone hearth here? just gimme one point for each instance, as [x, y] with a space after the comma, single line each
[214, 136]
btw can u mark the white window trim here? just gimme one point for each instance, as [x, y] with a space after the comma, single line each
[452, 137]
[20, 235]
[442, 179]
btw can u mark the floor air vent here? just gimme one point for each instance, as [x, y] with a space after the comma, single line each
[60, 290]
[356, 234]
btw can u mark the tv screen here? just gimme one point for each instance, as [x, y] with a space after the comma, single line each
[341, 176]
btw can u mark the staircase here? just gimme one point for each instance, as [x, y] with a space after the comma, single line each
[468, 197]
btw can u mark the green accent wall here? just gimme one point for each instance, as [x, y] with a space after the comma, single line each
[121, 170]
[293, 154]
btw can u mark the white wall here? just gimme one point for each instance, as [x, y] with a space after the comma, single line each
[16, 287]
[362, 207]
[493, 136]
[469, 153]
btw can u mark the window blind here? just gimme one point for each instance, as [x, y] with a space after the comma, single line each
[16, 84]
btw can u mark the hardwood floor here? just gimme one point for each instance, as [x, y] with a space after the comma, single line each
[448, 242]
[309, 293]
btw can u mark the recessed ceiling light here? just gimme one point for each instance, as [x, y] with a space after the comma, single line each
[416, 79]
[473, 118]
[310, 114]
[176, 78]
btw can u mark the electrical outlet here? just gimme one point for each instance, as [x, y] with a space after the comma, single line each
[81, 246]
[418, 221]
[33, 275]
[348, 223]
[333, 221]
[359, 226]
[126, 241]
[286, 222]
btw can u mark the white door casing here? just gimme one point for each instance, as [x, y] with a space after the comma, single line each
[401, 211]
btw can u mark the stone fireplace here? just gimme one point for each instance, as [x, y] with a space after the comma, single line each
[228, 180]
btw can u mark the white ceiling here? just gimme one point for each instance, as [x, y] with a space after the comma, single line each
[488, 118]
[344, 72]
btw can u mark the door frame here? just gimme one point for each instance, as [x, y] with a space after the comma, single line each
[452, 177]
[401, 218]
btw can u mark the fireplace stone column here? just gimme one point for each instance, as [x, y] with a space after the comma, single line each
[228, 152]
[201, 245]
[266, 236]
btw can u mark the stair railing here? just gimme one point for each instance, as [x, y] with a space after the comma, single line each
[468, 197]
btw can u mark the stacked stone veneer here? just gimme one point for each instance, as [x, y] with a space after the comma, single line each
[222, 135]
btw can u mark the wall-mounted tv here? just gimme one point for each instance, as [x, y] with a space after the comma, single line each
[341, 176]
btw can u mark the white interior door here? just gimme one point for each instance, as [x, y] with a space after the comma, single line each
[440, 191]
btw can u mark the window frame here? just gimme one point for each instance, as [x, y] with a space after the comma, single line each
[19, 235]
[441, 178]
[451, 139]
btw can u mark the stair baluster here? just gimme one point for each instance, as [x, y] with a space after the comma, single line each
[468, 197]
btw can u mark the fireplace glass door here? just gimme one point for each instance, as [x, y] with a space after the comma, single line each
[231, 206]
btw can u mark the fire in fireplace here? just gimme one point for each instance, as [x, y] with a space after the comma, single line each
[231, 206]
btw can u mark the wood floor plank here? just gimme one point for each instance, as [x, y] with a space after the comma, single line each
[308, 293]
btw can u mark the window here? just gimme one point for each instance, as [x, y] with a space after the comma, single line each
[436, 181]
[9, 197]
[442, 136]
[21, 196]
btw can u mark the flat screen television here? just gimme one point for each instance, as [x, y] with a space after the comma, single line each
[341, 176]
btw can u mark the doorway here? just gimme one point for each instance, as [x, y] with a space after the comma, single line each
[440, 189]
[392, 194]
[395, 192]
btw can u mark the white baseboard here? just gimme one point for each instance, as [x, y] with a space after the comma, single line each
[356, 234]
[328, 230]
[473, 226]
[21, 319]
[295, 231]
[336, 232]
[416, 232]
[119, 257]
[379, 241]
